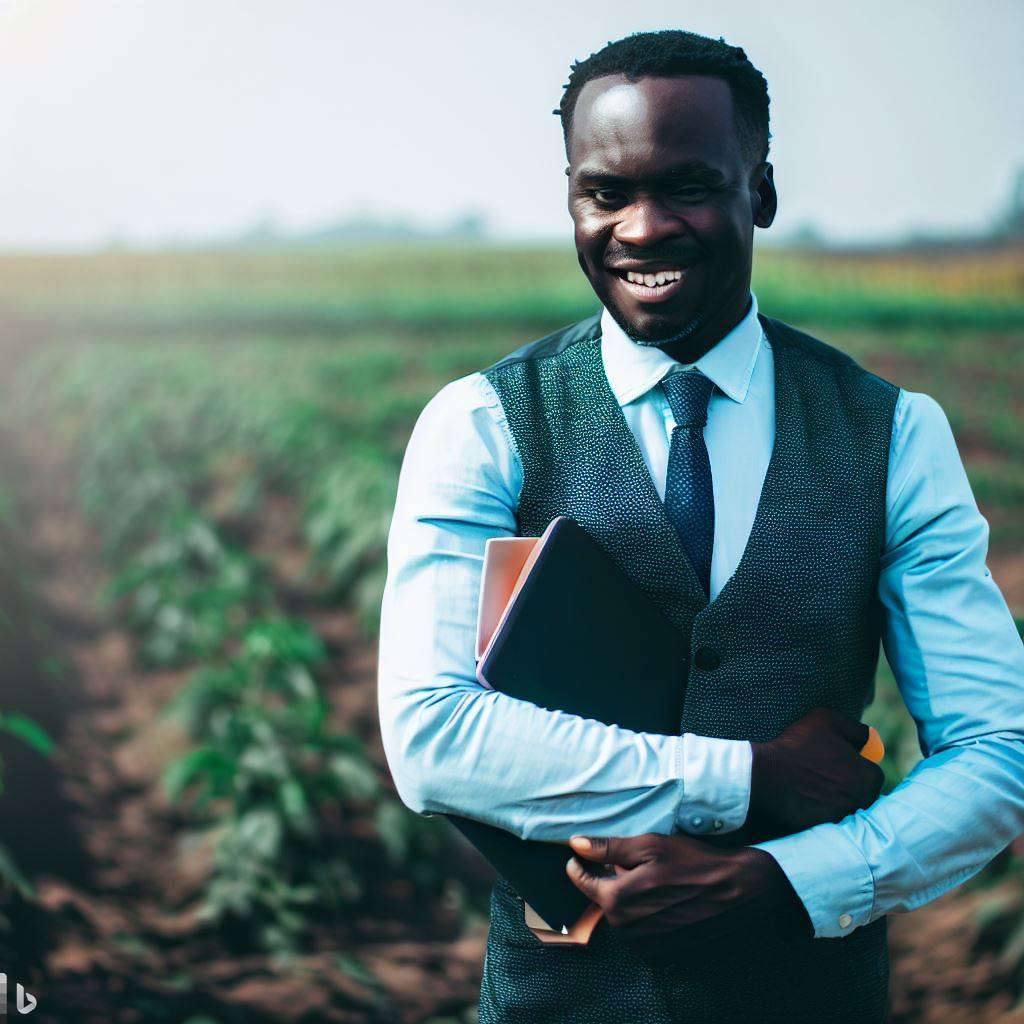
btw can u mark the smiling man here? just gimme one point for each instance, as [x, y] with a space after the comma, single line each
[785, 508]
[673, 268]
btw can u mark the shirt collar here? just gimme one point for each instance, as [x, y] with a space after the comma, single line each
[632, 369]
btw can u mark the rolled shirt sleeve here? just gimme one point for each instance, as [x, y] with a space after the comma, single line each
[958, 661]
[455, 746]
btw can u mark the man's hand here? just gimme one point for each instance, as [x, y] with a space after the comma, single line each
[673, 894]
[813, 772]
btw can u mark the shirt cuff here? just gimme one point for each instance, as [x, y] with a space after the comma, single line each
[716, 784]
[830, 875]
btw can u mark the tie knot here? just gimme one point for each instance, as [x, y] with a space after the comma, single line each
[688, 393]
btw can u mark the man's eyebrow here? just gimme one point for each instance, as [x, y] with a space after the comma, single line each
[692, 167]
[668, 173]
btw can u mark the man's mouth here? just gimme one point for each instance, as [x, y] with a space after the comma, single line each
[652, 285]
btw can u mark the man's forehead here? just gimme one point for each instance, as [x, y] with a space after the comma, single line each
[614, 115]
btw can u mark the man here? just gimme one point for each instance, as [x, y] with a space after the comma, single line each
[783, 506]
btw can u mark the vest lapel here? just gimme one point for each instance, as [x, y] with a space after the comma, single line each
[680, 593]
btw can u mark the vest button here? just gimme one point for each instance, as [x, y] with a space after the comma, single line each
[706, 658]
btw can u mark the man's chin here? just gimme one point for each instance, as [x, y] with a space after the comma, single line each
[657, 334]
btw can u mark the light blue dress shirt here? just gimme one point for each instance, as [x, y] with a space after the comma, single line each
[454, 746]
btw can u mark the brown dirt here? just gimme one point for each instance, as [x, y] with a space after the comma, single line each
[946, 970]
[1007, 570]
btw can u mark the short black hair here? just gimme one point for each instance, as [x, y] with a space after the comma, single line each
[675, 52]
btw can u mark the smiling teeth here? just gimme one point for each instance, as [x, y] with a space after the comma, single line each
[651, 280]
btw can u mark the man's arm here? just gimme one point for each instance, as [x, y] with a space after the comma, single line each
[959, 663]
[455, 746]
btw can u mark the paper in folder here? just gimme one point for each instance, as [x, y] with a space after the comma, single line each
[562, 626]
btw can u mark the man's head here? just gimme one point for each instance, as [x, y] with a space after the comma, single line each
[666, 135]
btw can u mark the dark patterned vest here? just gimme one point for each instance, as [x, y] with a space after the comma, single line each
[798, 625]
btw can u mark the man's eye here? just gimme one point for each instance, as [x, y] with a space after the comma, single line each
[607, 196]
[691, 193]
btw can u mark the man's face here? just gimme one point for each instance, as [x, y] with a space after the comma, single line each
[658, 186]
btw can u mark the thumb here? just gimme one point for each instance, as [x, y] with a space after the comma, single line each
[628, 851]
[855, 733]
[591, 847]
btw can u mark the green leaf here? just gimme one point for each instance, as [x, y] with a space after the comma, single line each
[391, 820]
[356, 970]
[259, 832]
[186, 770]
[24, 728]
[295, 805]
[357, 777]
[12, 875]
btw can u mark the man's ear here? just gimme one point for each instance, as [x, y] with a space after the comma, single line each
[765, 199]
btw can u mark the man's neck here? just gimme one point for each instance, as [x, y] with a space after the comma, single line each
[691, 348]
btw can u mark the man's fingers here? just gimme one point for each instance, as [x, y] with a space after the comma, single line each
[596, 888]
[876, 779]
[855, 732]
[629, 851]
[620, 853]
[849, 729]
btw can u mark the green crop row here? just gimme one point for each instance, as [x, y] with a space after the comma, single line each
[21, 727]
[264, 770]
[373, 285]
[198, 424]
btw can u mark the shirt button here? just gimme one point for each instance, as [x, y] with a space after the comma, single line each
[707, 659]
[845, 920]
[718, 824]
[696, 822]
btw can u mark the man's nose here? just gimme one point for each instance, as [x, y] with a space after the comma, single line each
[645, 222]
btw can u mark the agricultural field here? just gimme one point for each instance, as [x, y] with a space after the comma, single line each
[198, 461]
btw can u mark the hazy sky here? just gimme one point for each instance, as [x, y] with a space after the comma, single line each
[151, 118]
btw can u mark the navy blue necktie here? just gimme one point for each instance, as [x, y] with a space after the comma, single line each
[689, 499]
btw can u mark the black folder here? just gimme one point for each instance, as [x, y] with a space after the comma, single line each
[580, 637]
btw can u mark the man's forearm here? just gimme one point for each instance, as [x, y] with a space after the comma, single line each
[954, 812]
[545, 774]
